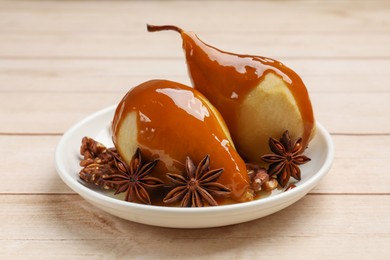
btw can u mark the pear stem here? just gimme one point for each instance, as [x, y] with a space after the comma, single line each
[156, 28]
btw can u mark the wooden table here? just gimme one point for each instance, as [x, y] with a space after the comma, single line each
[63, 60]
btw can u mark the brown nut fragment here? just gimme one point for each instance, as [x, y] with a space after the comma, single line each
[257, 175]
[270, 185]
[91, 148]
[95, 152]
[93, 173]
[98, 161]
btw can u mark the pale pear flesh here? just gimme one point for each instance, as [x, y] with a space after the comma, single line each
[267, 111]
[127, 137]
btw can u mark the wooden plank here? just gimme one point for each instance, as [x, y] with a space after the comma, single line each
[348, 113]
[122, 83]
[118, 75]
[259, 16]
[358, 166]
[32, 158]
[353, 113]
[325, 227]
[73, 29]
[168, 44]
[49, 112]
[353, 172]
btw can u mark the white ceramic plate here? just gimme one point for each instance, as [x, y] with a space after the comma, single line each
[67, 159]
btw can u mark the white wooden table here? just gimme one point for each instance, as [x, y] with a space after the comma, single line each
[63, 60]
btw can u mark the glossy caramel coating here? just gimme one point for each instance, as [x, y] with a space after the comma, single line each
[227, 78]
[175, 121]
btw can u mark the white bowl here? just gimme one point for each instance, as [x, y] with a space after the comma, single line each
[67, 158]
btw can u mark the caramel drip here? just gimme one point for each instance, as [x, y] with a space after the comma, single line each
[226, 78]
[173, 122]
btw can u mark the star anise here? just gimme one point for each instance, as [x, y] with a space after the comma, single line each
[285, 158]
[134, 179]
[197, 186]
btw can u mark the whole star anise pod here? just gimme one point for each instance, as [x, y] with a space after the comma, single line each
[133, 179]
[285, 158]
[197, 186]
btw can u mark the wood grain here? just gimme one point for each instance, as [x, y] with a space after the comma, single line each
[355, 155]
[57, 29]
[366, 113]
[320, 226]
[118, 75]
[97, 16]
[168, 44]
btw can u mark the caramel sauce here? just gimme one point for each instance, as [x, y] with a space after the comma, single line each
[226, 78]
[173, 122]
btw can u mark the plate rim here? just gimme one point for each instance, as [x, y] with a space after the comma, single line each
[277, 199]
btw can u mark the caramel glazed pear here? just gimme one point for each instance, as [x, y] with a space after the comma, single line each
[194, 128]
[258, 97]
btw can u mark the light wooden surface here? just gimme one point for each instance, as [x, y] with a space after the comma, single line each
[62, 60]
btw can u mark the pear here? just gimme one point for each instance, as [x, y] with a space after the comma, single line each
[170, 121]
[258, 97]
